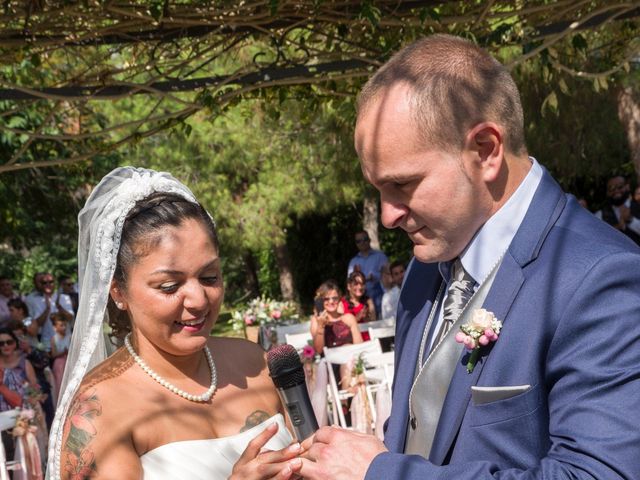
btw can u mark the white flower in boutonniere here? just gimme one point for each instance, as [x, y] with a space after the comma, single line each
[481, 330]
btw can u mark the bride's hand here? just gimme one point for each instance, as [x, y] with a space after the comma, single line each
[255, 464]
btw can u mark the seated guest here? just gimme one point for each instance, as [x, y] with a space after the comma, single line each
[330, 327]
[27, 332]
[16, 370]
[357, 302]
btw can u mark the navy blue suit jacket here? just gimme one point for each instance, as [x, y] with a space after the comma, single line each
[568, 294]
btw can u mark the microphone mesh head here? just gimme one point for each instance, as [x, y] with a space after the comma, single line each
[285, 366]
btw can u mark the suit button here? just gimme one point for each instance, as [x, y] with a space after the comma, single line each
[414, 423]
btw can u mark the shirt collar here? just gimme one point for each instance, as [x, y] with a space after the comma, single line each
[495, 236]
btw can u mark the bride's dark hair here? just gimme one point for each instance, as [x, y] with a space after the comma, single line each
[141, 233]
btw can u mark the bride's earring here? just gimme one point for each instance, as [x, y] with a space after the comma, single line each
[119, 305]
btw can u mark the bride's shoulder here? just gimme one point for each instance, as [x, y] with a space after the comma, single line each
[109, 373]
[97, 430]
[104, 382]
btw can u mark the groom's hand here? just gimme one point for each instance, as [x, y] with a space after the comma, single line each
[338, 454]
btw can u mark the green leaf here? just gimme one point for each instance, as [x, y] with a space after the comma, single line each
[550, 103]
[563, 86]
[371, 13]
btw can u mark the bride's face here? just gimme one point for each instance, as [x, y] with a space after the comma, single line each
[173, 293]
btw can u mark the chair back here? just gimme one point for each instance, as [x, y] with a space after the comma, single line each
[283, 330]
[298, 340]
[382, 332]
[365, 326]
[380, 367]
[7, 421]
[342, 355]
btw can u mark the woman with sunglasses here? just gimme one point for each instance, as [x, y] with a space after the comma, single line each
[329, 326]
[15, 371]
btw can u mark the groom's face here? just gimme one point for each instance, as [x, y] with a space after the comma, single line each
[432, 194]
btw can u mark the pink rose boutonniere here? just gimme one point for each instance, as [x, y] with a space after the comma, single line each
[481, 330]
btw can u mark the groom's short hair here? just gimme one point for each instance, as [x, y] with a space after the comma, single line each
[456, 85]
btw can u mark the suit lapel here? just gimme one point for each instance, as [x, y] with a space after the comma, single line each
[424, 281]
[546, 206]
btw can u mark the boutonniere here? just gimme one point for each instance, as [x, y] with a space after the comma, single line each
[481, 330]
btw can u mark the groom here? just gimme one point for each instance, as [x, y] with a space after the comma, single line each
[440, 134]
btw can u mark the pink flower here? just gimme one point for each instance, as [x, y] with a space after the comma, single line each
[249, 319]
[482, 329]
[308, 352]
[276, 314]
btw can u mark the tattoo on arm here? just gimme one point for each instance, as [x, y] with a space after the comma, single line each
[256, 418]
[80, 459]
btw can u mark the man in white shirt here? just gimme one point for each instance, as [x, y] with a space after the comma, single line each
[42, 302]
[392, 295]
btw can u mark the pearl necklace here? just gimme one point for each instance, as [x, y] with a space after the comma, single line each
[205, 397]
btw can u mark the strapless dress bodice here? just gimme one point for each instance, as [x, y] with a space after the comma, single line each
[209, 459]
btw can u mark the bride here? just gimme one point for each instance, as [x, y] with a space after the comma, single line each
[172, 402]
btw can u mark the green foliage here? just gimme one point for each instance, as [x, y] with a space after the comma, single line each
[54, 258]
[572, 130]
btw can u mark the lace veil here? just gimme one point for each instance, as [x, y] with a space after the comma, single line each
[100, 227]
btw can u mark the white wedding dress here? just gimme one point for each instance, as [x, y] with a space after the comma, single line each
[211, 459]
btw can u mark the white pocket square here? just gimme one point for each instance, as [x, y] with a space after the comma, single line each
[482, 395]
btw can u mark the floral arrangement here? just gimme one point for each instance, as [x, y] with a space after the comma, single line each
[25, 423]
[33, 395]
[264, 311]
[481, 330]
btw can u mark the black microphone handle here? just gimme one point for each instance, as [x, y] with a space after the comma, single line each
[303, 418]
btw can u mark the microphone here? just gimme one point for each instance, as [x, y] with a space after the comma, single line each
[285, 369]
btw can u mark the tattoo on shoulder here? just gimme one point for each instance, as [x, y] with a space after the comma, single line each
[79, 458]
[256, 418]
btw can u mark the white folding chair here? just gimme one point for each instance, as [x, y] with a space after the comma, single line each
[283, 330]
[298, 340]
[342, 356]
[365, 326]
[8, 421]
[385, 334]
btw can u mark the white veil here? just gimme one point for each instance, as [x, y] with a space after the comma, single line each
[100, 227]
